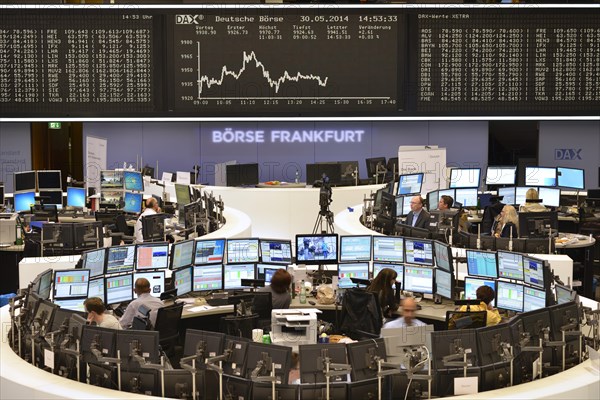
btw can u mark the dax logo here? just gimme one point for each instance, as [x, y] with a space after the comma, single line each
[188, 19]
[567, 154]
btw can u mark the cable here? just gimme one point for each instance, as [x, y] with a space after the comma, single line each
[407, 388]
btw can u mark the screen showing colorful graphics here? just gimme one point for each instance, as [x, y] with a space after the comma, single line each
[111, 179]
[233, 275]
[24, 201]
[510, 265]
[94, 260]
[133, 181]
[119, 288]
[509, 296]
[152, 256]
[208, 277]
[96, 288]
[418, 279]
[471, 285]
[120, 259]
[182, 280]
[352, 270]
[410, 184]
[209, 251]
[355, 248]
[443, 256]
[182, 254]
[242, 251]
[316, 249]
[482, 263]
[533, 299]
[75, 197]
[132, 202]
[418, 251]
[71, 283]
[156, 279]
[399, 268]
[533, 271]
[388, 249]
[276, 251]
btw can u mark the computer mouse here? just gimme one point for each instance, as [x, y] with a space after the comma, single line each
[312, 303]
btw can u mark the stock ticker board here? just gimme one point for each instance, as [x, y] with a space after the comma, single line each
[299, 61]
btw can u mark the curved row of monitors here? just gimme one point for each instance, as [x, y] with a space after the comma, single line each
[23, 201]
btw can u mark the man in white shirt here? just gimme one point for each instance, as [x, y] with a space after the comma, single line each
[144, 302]
[409, 306]
[96, 313]
[151, 208]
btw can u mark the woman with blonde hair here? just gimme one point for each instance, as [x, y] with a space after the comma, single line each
[507, 221]
[532, 202]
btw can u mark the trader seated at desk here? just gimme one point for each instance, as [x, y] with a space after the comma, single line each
[409, 306]
[96, 314]
[382, 286]
[417, 217]
[145, 301]
[279, 288]
[532, 202]
[507, 223]
[445, 203]
[151, 209]
[486, 295]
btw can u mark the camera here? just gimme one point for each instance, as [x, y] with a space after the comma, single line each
[325, 194]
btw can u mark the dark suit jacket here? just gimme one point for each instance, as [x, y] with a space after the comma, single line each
[506, 231]
[422, 221]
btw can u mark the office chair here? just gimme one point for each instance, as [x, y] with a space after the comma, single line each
[123, 231]
[362, 316]
[167, 325]
[262, 304]
[465, 319]
[240, 326]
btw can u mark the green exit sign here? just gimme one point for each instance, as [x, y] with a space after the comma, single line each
[54, 125]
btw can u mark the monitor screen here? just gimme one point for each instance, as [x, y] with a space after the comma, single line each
[372, 164]
[266, 271]
[71, 304]
[501, 175]
[509, 296]
[132, 202]
[465, 177]
[156, 279]
[2, 200]
[208, 277]
[49, 180]
[42, 284]
[25, 181]
[352, 270]
[410, 184]
[508, 194]
[52, 198]
[550, 196]
[71, 283]
[388, 249]
[418, 251]
[183, 280]
[471, 285]
[120, 259]
[433, 198]
[234, 273]
[182, 254]
[466, 197]
[443, 283]
[75, 197]
[119, 288]
[276, 251]
[540, 176]
[242, 174]
[533, 299]
[418, 279]
[24, 201]
[95, 261]
[564, 294]
[96, 288]
[533, 271]
[510, 265]
[152, 256]
[403, 205]
[111, 179]
[482, 263]
[355, 248]
[443, 256]
[572, 178]
[133, 181]
[112, 197]
[209, 251]
[316, 249]
[399, 268]
[242, 251]
[183, 194]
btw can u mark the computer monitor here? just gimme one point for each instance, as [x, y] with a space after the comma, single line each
[208, 277]
[192, 214]
[550, 196]
[179, 385]
[242, 251]
[510, 265]
[266, 272]
[403, 205]
[540, 176]
[446, 343]
[140, 381]
[352, 270]
[25, 181]
[183, 194]
[561, 316]
[71, 304]
[331, 170]
[242, 174]
[141, 343]
[508, 194]
[51, 198]
[42, 284]
[337, 391]
[111, 179]
[2, 200]
[23, 201]
[355, 248]
[152, 256]
[501, 175]
[444, 283]
[410, 184]
[471, 285]
[362, 358]
[234, 273]
[281, 357]
[210, 251]
[533, 299]
[236, 364]
[313, 361]
[418, 279]
[203, 343]
[433, 198]
[71, 283]
[348, 169]
[153, 227]
[182, 280]
[572, 178]
[364, 389]
[95, 261]
[490, 340]
[43, 315]
[443, 256]
[119, 288]
[100, 339]
[509, 296]
[418, 251]
[262, 391]
[102, 375]
[399, 268]
[372, 164]
[132, 202]
[276, 251]
[133, 181]
[156, 279]
[466, 197]
[96, 288]
[564, 294]
[111, 198]
[464, 178]
[399, 341]
[538, 224]
[482, 263]
[182, 254]
[49, 180]
[76, 197]
[521, 194]
[518, 245]
[316, 249]
[120, 259]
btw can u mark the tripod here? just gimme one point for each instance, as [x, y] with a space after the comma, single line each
[324, 226]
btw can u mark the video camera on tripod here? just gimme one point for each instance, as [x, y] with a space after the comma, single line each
[325, 195]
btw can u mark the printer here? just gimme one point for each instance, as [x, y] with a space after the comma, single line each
[8, 229]
[293, 327]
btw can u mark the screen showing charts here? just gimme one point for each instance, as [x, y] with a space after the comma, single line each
[70, 304]
[208, 277]
[410, 184]
[209, 251]
[564, 294]
[533, 299]
[94, 261]
[315, 249]
[355, 248]
[120, 259]
[24, 201]
[443, 283]
[399, 268]
[152, 256]
[466, 197]
[276, 251]
[182, 254]
[388, 249]
[242, 251]
[509, 296]
[156, 279]
[71, 283]
[508, 195]
[510, 265]
[352, 270]
[572, 178]
[266, 272]
[418, 279]
[132, 202]
[482, 263]
[464, 177]
[183, 280]
[443, 256]
[111, 179]
[96, 288]
[471, 285]
[133, 181]
[501, 175]
[540, 176]
[119, 288]
[75, 197]
[533, 271]
[233, 274]
[418, 251]
[550, 196]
